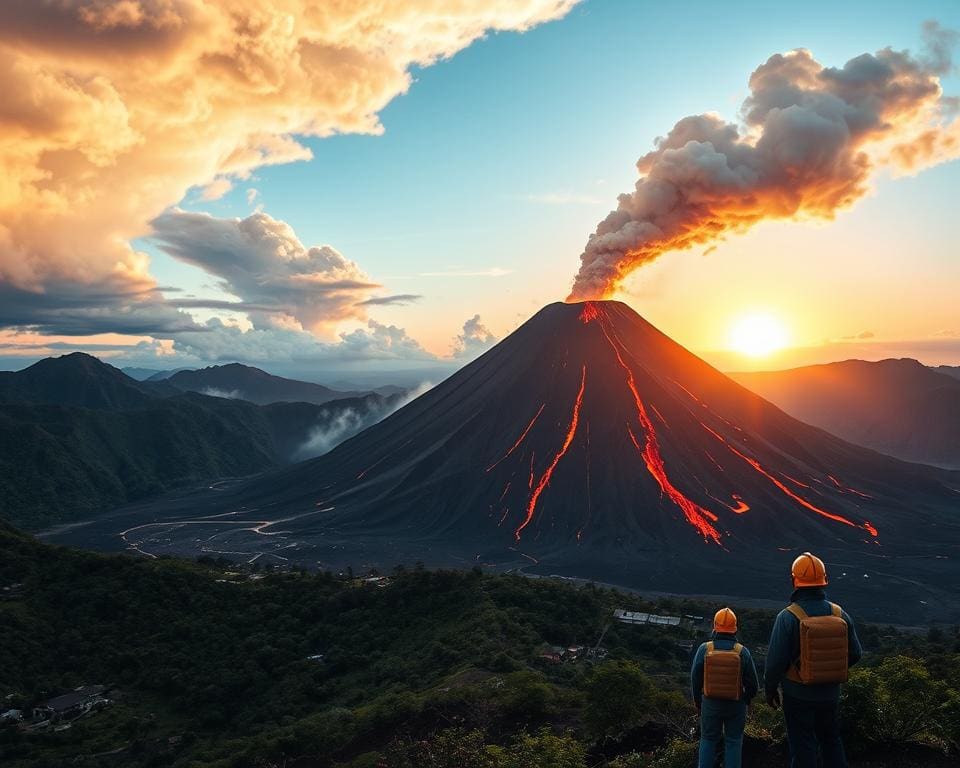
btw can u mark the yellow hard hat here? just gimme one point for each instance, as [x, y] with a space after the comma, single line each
[809, 571]
[725, 621]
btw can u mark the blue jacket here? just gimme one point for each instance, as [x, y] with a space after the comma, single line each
[724, 642]
[785, 648]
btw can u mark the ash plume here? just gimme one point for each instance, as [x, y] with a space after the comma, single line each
[811, 138]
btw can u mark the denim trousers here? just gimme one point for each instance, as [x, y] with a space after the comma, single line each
[722, 723]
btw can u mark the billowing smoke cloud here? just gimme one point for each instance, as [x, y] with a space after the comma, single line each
[113, 109]
[811, 138]
[474, 341]
[339, 425]
[324, 438]
[260, 260]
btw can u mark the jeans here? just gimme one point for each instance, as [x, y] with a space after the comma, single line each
[813, 725]
[724, 723]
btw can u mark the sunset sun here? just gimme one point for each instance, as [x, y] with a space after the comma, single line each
[757, 334]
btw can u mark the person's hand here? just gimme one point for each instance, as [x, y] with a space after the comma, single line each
[773, 698]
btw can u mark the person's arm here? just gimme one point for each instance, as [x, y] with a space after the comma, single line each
[696, 676]
[780, 655]
[854, 649]
[751, 681]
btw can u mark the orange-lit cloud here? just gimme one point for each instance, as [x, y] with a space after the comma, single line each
[811, 138]
[113, 109]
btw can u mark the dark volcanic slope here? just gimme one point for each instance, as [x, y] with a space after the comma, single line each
[247, 383]
[898, 407]
[589, 444]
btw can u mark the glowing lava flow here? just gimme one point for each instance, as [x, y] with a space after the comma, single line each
[545, 477]
[741, 507]
[800, 500]
[699, 517]
[519, 439]
[756, 465]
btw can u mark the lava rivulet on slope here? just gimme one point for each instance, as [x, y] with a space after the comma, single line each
[589, 444]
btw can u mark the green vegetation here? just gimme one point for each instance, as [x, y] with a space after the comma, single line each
[61, 463]
[436, 669]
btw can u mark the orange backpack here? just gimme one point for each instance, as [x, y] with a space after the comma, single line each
[823, 648]
[722, 677]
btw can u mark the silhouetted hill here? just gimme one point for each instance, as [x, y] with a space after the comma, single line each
[75, 379]
[589, 444]
[898, 407]
[248, 383]
[949, 370]
[78, 437]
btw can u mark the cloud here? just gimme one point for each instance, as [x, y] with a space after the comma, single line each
[72, 309]
[114, 109]
[260, 260]
[225, 342]
[863, 335]
[400, 299]
[474, 341]
[812, 137]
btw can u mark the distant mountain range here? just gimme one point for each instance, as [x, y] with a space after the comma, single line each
[78, 436]
[949, 370]
[898, 407]
[254, 385]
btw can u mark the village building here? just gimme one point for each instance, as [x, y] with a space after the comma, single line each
[69, 706]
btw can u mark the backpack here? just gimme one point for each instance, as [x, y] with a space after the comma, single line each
[722, 677]
[823, 648]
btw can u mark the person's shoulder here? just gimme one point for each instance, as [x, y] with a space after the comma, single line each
[786, 614]
[843, 614]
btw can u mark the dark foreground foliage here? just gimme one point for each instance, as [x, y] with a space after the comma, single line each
[210, 667]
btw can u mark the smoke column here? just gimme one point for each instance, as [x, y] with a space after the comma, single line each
[811, 137]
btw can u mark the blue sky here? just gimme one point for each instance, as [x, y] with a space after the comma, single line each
[562, 110]
[504, 158]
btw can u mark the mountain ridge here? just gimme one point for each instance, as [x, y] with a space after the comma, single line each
[899, 407]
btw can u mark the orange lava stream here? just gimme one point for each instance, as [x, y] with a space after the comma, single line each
[699, 517]
[519, 439]
[756, 465]
[801, 501]
[849, 490]
[741, 507]
[548, 472]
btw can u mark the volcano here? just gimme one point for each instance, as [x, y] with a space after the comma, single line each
[590, 445]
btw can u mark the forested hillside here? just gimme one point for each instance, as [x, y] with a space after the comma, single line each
[208, 665]
[78, 437]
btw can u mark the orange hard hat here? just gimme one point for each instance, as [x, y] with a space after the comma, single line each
[809, 571]
[725, 620]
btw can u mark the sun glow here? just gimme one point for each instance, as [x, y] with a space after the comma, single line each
[757, 334]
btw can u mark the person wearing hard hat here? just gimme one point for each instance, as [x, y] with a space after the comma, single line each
[723, 680]
[813, 644]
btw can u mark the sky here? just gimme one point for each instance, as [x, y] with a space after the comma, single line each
[392, 186]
